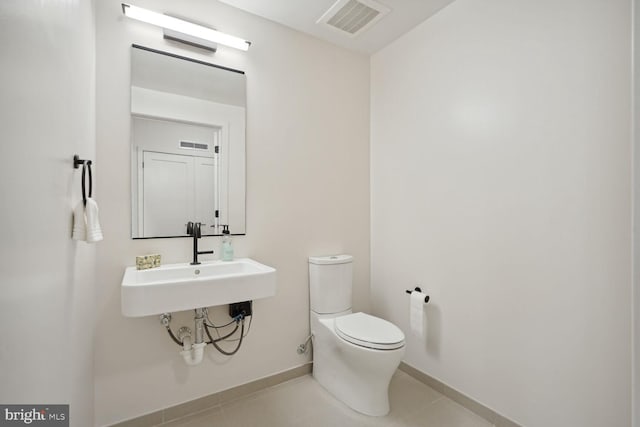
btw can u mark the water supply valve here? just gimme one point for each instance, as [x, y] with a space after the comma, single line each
[165, 319]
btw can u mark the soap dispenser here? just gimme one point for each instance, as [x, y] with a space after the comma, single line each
[226, 252]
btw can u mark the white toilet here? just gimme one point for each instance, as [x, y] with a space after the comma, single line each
[354, 354]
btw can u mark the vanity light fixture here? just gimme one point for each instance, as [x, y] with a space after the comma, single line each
[183, 27]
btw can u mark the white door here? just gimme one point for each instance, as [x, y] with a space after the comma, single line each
[168, 194]
[205, 192]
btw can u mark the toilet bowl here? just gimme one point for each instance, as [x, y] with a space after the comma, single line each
[354, 358]
[354, 354]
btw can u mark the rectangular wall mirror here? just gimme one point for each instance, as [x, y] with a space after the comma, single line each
[187, 145]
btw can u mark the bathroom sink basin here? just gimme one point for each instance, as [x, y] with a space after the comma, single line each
[178, 287]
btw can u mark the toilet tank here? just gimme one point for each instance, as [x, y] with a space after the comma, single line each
[330, 280]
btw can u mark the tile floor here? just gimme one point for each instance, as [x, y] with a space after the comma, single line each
[302, 402]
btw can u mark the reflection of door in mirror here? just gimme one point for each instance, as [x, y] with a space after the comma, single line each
[167, 194]
[187, 145]
[175, 187]
[178, 176]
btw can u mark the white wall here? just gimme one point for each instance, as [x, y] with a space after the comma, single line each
[46, 116]
[500, 181]
[636, 214]
[307, 194]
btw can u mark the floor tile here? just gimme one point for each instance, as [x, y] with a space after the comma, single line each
[408, 395]
[303, 402]
[443, 413]
[207, 418]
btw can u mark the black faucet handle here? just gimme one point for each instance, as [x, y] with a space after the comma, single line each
[198, 230]
[190, 228]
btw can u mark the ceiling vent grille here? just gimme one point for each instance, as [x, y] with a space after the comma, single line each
[352, 17]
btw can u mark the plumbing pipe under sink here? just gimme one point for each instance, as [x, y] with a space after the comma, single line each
[193, 354]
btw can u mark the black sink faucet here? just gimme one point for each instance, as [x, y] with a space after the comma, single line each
[194, 229]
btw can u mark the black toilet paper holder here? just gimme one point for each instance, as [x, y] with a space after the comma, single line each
[417, 289]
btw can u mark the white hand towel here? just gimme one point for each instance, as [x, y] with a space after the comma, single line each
[94, 233]
[416, 313]
[79, 223]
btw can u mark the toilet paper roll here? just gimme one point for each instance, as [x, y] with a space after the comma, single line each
[416, 313]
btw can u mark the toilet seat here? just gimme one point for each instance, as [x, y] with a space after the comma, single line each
[369, 331]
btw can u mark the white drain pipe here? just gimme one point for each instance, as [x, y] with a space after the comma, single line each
[193, 354]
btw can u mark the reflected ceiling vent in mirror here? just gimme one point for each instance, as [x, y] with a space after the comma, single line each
[188, 145]
[352, 17]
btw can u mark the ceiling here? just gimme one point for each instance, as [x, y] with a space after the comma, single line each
[302, 15]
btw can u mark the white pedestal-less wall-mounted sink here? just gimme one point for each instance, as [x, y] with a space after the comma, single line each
[178, 287]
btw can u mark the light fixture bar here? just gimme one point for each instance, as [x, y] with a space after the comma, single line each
[183, 27]
[190, 40]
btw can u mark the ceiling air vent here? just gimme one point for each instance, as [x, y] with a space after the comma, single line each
[351, 17]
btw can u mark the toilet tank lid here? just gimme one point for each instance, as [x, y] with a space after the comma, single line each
[330, 259]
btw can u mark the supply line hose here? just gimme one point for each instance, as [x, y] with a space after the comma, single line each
[237, 319]
[180, 343]
[214, 342]
[173, 337]
[211, 340]
[211, 325]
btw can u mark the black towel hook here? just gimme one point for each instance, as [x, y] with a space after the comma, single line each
[86, 164]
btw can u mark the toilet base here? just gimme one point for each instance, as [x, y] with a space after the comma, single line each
[355, 375]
